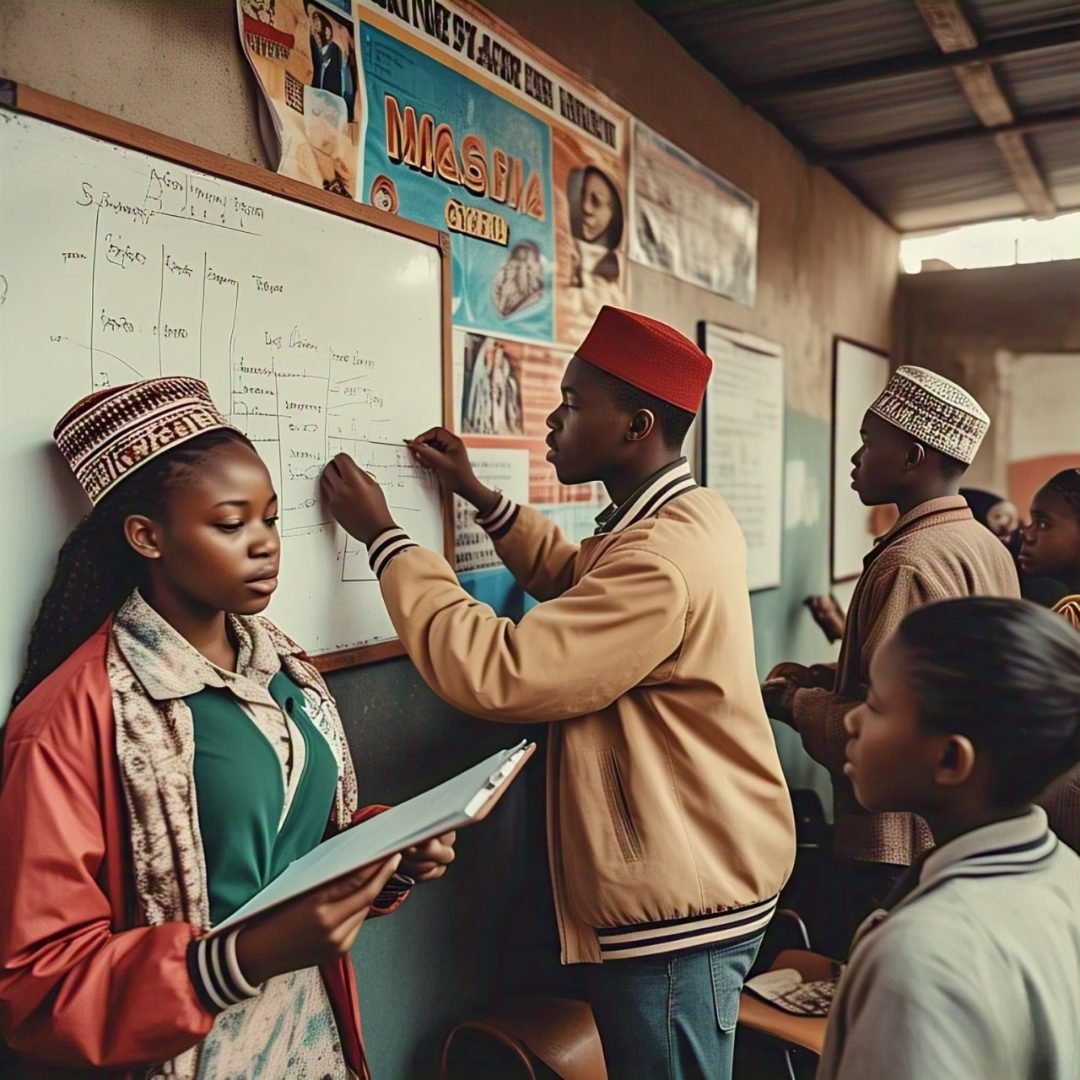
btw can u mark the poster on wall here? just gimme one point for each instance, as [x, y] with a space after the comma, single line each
[743, 442]
[470, 129]
[590, 231]
[505, 390]
[688, 221]
[441, 113]
[304, 58]
[504, 469]
[508, 389]
[445, 150]
[859, 375]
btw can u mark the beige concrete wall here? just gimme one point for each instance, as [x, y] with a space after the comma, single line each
[969, 324]
[173, 67]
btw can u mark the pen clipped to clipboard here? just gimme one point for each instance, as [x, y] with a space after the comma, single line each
[486, 798]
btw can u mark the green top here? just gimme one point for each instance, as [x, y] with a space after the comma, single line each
[240, 793]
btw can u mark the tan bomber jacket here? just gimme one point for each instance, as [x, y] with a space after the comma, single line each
[669, 821]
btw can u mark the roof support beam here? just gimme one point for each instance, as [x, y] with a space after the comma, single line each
[1035, 122]
[951, 30]
[899, 67]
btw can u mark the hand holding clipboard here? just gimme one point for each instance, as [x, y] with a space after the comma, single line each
[311, 913]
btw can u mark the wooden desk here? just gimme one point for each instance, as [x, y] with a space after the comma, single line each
[807, 1032]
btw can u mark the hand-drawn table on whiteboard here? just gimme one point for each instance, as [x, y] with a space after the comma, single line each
[315, 332]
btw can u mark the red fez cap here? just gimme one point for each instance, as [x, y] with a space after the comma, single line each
[649, 355]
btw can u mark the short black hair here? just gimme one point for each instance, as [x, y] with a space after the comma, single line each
[1006, 674]
[1066, 486]
[951, 468]
[672, 421]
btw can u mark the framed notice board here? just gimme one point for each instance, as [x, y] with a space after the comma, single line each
[859, 375]
[742, 428]
[320, 325]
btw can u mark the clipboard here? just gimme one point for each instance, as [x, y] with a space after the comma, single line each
[455, 804]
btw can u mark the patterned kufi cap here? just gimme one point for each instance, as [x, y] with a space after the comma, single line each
[108, 435]
[934, 410]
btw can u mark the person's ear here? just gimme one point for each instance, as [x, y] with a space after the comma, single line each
[956, 762]
[143, 534]
[641, 425]
[915, 456]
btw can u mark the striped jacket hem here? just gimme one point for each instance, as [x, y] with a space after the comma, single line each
[681, 935]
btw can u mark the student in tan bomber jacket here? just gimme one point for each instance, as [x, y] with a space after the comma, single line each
[669, 823]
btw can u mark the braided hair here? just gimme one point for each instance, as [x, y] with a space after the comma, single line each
[1005, 673]
[97, 569]
[1066, 486]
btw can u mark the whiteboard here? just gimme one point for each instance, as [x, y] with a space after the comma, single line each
[315, 333]
[743, 435]
[859, 375]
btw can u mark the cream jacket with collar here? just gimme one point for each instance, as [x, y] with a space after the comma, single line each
[974, 973]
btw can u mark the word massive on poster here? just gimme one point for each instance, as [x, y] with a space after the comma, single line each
[524, 164]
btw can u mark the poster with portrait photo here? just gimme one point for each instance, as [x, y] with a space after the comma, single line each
[589, 187]
[332, 44]
[507, 390]
[505, 430]
[303, 54]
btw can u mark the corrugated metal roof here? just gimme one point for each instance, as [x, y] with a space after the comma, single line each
[998, 18]
[862, 86]
[922, 187]
[772, 39]
[1058, 153]
[853, 116]
[1042, 81]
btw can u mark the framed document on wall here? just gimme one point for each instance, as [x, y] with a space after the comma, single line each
[742, 426]
[859, 375]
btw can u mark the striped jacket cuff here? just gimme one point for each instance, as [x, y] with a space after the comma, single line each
[393, 891]
[498, 521]
[215, 973]
[387, 545]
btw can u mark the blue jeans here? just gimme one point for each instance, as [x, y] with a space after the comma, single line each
[671, 1017]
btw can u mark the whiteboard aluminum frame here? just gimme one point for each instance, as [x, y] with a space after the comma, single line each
[771, 349]
[18, 97]
[837, 575]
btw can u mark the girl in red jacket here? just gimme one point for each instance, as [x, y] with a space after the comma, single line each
[169, 754]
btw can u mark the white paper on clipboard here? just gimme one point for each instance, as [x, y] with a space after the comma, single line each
[460, 801]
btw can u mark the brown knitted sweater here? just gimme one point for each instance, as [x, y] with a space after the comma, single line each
[935, 552]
